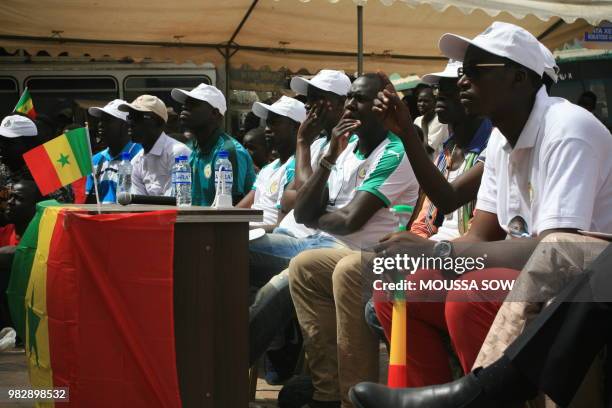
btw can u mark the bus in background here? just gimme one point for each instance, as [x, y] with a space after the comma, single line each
[62, 88]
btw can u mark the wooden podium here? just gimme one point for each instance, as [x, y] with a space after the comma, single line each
[210, 302]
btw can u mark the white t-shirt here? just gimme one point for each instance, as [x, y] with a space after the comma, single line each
[269, 187]
[437, 133]
[386, 173]
[152, 172]
[559, 174]
[317, 150]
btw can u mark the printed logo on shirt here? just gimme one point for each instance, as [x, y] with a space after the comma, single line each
[207, 171]
[517, 227]
[361, 173]
[273, 187]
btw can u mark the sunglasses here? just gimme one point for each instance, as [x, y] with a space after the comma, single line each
[139, 117]
[474, 71]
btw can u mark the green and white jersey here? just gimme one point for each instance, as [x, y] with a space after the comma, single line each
[385, 173]
[269, 187]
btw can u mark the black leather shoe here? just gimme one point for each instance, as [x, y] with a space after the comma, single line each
[463, 393]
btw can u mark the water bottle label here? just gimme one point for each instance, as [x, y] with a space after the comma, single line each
[181, 177]
[228, 177]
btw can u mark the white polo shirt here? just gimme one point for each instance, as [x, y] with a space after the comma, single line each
[385, 173]
[269, 187]
[152, 172]
[559, 174]
[317, 150]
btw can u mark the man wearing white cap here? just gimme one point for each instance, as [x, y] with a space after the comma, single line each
[547, 170]
[270, 255]
[202, 112]
[152, 166]
[18, 134]
[113, 129]
[283, 118]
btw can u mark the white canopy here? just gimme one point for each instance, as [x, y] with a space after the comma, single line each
[399, 36]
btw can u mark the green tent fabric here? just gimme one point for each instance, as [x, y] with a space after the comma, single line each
[22, 266]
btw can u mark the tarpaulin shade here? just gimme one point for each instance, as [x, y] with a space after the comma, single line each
[399, 36]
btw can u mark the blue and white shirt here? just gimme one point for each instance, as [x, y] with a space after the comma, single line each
[106, 168]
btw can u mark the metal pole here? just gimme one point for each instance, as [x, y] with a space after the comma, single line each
[359, 40]
[227, 89]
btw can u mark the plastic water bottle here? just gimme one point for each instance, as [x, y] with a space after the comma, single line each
[181, 181]
[124, 174]
[224, 179]
[403, 213]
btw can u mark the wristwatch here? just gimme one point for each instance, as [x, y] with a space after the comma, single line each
[443, 249]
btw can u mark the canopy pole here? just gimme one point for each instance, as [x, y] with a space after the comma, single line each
[227, 88]
[359, 40]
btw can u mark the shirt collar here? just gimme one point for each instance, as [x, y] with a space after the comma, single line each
[479, 140]
[528, 137]
[126, 149]
[158, 147]
[210, 143]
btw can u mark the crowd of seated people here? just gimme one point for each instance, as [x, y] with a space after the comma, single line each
[492, 162]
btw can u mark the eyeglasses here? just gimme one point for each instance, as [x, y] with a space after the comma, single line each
[473, 71]
[138, 117]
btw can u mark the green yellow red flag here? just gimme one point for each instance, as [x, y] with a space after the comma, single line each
[25, 105]
[60, 161]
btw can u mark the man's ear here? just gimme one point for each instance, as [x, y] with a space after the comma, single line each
[217, 114]
[521, 77]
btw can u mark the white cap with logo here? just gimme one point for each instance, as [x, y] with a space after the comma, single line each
[112, 108]
[202, 92]
[13, 126]
[285, 106]
[501, 39]
[450, 71]
[147, 103]
[327, 80]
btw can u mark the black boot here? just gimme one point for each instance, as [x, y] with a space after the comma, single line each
[463, 393]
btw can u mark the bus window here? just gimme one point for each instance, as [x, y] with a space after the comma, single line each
[55, 96]
[9, 95]
[161, 86]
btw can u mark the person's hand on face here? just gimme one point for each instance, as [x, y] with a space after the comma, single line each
[315, 121]
[340, 136]
[393, 112]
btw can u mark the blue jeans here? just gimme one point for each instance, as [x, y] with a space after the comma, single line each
[272, 308]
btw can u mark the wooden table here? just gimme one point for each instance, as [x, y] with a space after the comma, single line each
[210, 301]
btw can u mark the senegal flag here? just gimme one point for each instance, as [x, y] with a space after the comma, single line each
[25, 105]
[60, 161]
[97, 309]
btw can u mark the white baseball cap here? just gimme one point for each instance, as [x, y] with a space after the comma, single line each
[147, 103]
[550, 65]
[112, 108]
[450, 71]
[202, 92]
[285, 106]
[501, 39]
[327, 80]
[13, 126]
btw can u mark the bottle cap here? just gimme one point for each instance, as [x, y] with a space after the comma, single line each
[125, 156]
[180, 159]
[223, 154]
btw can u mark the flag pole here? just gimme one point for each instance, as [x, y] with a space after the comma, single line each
[93, 175]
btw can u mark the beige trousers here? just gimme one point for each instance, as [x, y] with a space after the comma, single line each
[326, 287]
[558, 258]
